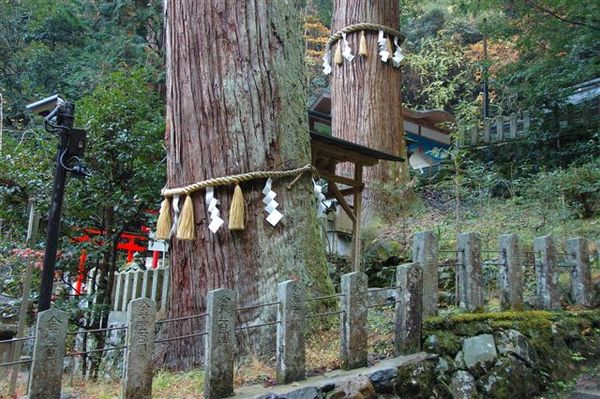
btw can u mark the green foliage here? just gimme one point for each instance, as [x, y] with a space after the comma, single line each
[575, 191]
[67, 46]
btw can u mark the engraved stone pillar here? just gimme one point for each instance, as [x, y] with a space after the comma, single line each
[220, 344]
[291, 316]
[510, 275]
[48, 354]
[425, 253]
[578, 257]
[470, 280]
[409, 316]
[138, 367]
[354, 332]
[546, 273]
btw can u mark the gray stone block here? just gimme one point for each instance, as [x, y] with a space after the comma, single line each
[220, 344]
[510, 276]
[425, 253]
[546, 272]
[353, 325]
[470, 278]
[513, 342]
[581, 279]
[479, 351]
[409, 316]
[137, 379]
[463, 385]
[291, 347]
[48, 354]
[384, 380]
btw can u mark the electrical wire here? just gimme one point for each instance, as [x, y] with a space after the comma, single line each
[60, 158]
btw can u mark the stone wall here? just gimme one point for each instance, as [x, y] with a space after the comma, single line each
[511, 354]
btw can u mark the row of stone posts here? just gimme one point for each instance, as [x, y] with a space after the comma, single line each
[416, 297]
[51, 329]
[510, 275]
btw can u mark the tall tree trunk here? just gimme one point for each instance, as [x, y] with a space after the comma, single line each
[365, 96]
[236, 102]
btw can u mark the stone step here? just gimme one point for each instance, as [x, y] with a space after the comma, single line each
[378, 377]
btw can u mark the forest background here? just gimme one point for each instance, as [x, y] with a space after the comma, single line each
[108, 57]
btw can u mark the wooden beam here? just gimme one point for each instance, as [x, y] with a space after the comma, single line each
[339, 179]
[343, 202]
[345, 192]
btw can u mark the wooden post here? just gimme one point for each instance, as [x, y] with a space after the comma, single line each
[356, 258]
[32, 230]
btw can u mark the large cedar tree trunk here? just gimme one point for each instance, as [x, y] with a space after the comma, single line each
[366, 98]
[236, 102]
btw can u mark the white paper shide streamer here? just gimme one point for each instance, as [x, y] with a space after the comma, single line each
[327, 63]
[215, 215]
[346, 50]
[176, 211]
[382, 42]
[398, 56]
[318, 190]
[270, 204]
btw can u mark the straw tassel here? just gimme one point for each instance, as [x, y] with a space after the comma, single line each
[338, 54]
[236, 212]
[163, 225]
[389, 46]
[362, 48]
[185, 230]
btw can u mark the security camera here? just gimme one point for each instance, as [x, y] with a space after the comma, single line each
[46, 106]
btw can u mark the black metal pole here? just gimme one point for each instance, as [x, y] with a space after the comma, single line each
[64, 118]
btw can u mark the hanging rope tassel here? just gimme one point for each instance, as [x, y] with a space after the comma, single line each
[362, 48]
[163, 225]
[236, 211]
[185, 230]
[389, 46]
[338, 54]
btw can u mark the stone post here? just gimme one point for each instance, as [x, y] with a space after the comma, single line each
[220, 344]
[354, 350]
[138, 366]
[578, 257]
[45, 379]
[546, 273]
[425, 253]
[470, 279]
[409, 280]
[510, 275]
[291, 316]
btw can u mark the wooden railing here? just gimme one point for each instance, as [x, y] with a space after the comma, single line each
[518, 125]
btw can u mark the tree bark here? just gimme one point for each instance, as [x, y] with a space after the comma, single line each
[236, 102]
[366, 99]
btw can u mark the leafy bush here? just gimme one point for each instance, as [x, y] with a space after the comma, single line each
[575, 189]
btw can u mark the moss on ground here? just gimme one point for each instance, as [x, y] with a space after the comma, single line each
[562, 339]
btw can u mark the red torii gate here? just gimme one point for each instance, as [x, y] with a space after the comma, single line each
[127, 242]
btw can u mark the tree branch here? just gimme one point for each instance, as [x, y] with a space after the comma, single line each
[559, 17]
